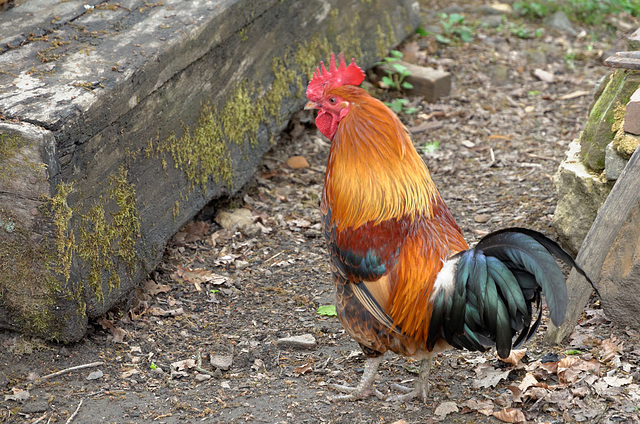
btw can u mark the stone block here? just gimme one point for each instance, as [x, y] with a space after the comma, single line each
[632, 114]
[130, 117]
[429, 83]
[614, 163]
[606, 117]
[581, 193]
[609, 256]
[633, 42]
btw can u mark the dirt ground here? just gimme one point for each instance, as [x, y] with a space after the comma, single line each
[228, 296]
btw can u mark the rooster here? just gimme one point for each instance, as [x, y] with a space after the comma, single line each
[406, 280]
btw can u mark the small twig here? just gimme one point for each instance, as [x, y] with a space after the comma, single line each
[493, 157]
[40, 419]
[198, 366]
[74, 413]
[64, 371]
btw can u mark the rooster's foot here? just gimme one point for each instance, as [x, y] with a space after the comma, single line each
[365, 388]
[420, 389]
[355, 393]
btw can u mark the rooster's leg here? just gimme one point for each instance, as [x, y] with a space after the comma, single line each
[365, 388]
[420, 389]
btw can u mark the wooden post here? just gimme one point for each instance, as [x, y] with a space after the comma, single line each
[608, 226]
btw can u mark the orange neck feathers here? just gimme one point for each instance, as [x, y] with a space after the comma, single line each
[374, 173]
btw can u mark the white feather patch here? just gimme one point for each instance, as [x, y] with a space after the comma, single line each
[445, 279]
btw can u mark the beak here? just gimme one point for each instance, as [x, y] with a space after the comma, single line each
[311, 105]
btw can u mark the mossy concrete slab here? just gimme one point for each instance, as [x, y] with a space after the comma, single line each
[606, 116]
[133, 116]
[581, 193]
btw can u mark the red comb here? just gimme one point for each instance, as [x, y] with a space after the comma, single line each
[324, 80]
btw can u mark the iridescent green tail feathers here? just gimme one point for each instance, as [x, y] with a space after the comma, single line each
[495, 284]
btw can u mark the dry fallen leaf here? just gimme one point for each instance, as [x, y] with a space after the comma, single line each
[514, 357]
[610, 348]
[183, 365]
[446, 408]
[528, 381]
[567, 362]
[18, 395]
[617, 381]
[302, 369]
[484, 407]
[489, 376]
[197, 277]
[157, 312]
[510, 415]
[154, 288]
[129, 373]
[117, 334]
[297, 162]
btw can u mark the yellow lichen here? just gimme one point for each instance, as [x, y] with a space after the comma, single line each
[200, 153]
[625, 143]
[61, 214]
[102, 240]
[241, 115]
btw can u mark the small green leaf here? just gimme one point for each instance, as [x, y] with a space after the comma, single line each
[327, 310]
[407, 85]
[153, 366]
[465, 34]
[431, 147]
[399, 68]
[214, 291]
[443, 39]
[410, 110]
[573, 352]
[396, 54]
[421, 31]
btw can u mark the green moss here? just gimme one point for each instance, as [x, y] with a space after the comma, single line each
[200, 153]
[13, 162]
[349, 42]
[242, 116]
[61, 214]
[601, 124]
[284, 76]
[9, 148]
[105, 244]
[308, 55]
[27, 288]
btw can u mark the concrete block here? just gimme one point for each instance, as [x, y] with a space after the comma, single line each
[141, 114]
[429, 83]
[633, 42]
[581, 193]
[632, 114]
[614, 163]
[604, 119]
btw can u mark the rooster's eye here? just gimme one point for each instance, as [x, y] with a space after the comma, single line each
[332, 100]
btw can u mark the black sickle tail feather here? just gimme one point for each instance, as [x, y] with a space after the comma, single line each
[496, 283]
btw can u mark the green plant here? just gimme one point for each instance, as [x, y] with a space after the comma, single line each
[401, 105]
[430, 147]
[523, 32]
[327, 310]
[569, 59]
[532, 9]
[453, 25]
[396, 72]
[591, 12]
